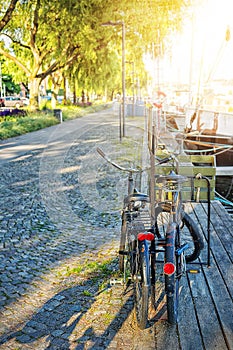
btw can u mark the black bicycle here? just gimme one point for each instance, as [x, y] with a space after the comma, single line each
[142, 240]
[178, 248]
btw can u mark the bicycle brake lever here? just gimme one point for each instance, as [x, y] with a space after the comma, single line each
[165, 160]
[101, 152]
[109, 160]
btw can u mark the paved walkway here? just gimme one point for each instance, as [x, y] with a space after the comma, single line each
[60, 220]
[59, 235]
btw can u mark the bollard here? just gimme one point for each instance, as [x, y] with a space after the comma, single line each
[58, 114]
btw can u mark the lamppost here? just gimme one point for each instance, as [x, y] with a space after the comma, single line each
[122, 24]
[130, 62]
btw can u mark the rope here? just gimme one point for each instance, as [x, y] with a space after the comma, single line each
[229, 190]
[207, 144]
[224, 201]
[209, 150]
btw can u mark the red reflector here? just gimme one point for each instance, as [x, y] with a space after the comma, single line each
[169, 269]
[146, 236]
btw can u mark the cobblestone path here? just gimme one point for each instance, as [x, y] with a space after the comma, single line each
[59, 233]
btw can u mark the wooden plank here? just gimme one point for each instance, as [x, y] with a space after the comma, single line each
[209, 326]
[222, 225]
[224, 215]
[222, 301]
[206, 299]
[205, 171]
[188, 328]
[166, 336]
[218, 289]
[224, 170]
[221, 243]
[206, 159]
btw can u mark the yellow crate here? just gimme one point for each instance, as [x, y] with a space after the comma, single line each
[190, 166]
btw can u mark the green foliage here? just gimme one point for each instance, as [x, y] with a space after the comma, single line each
[67, 36]
[92, 268]
[11, 87]
[15, 126]
[98, 272]
[87, 293]
[11, 126]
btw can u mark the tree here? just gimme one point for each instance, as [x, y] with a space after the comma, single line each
[147, 25]
[46, 42]
[58, 36]
[10, 86]
[7, 13]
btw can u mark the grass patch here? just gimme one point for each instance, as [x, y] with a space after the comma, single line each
[92, 269]
[86, 293]
[11, 126]
[108, 318]
[21, 125]
[99, 273]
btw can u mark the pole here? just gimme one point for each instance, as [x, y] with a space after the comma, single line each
[123, 77]
[133, 91]
[120, 127]
[132, 73]
[1, 79]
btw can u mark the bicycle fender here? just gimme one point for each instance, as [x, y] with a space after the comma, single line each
[144, 254]
[170, 256]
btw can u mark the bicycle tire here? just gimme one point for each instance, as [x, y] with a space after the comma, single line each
[190, 234]
[196, 236]
[141, 278]
[122, 243]
[172, 281]
[153, 272]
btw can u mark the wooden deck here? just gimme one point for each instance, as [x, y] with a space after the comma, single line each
[206, 308]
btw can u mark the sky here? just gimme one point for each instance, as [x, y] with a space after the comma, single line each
[200, 52]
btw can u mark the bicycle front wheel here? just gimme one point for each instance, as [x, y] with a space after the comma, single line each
[172, 274]
[189, 231]
[141, 280]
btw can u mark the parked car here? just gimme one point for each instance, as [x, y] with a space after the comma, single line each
[25, 100]
[2, 102]
[13, 101]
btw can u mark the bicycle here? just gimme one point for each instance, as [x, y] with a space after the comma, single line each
[139, 242]
[173, 247]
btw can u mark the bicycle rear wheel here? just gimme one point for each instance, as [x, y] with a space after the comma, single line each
[189, 231]
[141, 279]
[122, 243]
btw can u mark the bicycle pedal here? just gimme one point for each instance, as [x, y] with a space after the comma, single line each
[161, 242]
[180, 250]
[116, 282]
[123, 252]
[193, 271]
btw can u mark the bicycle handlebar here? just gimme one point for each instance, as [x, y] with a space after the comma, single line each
[164, 160]
[132, 170]
[115, 164]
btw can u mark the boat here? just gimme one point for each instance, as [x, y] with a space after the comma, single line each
[210, 132]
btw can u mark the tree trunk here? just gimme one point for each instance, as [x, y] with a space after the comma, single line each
[56, 80]
[53, 100]
[74, 91]
[34, 93]
[65, 90]
[83, 96]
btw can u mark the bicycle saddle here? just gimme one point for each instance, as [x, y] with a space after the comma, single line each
[136, 196]
[172, 177]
